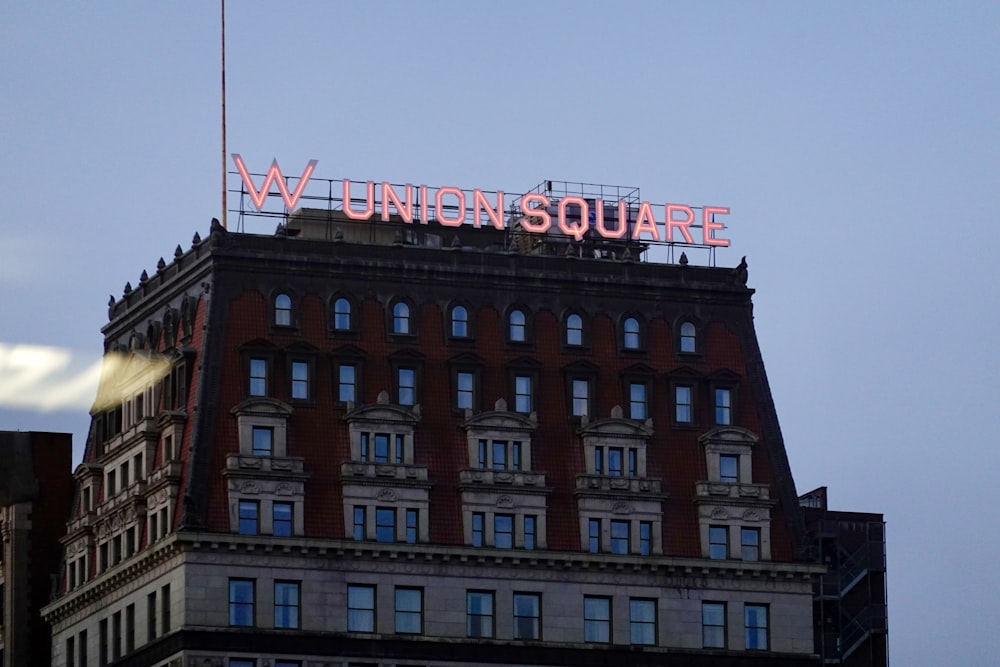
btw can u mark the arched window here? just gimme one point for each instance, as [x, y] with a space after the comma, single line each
[517, 331]
[631, 330]
[342, 314]
[283, 310]
[688, 339]
[401, 318]
[574, 330]
[459, 322]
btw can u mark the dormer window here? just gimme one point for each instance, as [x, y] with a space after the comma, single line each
[283, 310]
[688, 338]
[342, 315]
[630, 334]
[574, 330]
[401, 318]
[517, 326]
[460, 322]
[263, 441]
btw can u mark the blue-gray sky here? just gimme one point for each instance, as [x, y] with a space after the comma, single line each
[857, 144]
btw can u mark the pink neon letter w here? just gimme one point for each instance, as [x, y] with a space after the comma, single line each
[274, 175]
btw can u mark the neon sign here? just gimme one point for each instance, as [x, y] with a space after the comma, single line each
[572, 215]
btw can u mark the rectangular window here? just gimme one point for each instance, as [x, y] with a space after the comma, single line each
[165, 609]
[249, 513]
[498, 457]
[482, 457]
[164, 525]
[718, 542]
[123, 474]
[385, 524]
[263, 441]
[71, 652]
[281, 519]
[755, 626]
[581, 398]
[258, 377]
[409, 611]
[241, 602]
[750, 543]
[300, 379]
[116, 549]
[530, 531]
[479, 614]
[381, 448]
[522, 394]
[729, 469]
[723, 406]
[597, 620]
[137, 468]
[527, 616]
[619, 537]
[102, 644]
[594, 536]
[361, 608]
[615, 461]
[116, 635]
[633, 463]
[130, 628]
[365, 454]
[515, 456]
[242, 662]
[407, 386]
[151, 617]
[82, 648]
[398, 453]
[642, 622]
[598, 460]
[112, 489]
[286, 604]
[683, 413]
[464, 397]
[637, 400]
[102, 553]
[348, 383]
[412, 526]
[478, 519]
[645, 538]
[503, 531]
[713, 624]
[359, 523]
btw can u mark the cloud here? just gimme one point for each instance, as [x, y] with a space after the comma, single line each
[36, 377]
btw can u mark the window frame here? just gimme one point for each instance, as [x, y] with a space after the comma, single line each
[723, 414]
[258, 371]
[765, 629]
[351, 609]
[688, 340]
[276, 521]
[478, 632]
[631, 384]
[592, 624]
[713, 607]
[287, 310]
[636, 337]
[402, 322]
[734, 459]
[752, 546]
[497, 519]
[239, 607]
[403, 614]
[336, 315]
[511, 326]
[643, 625]
[465, 324]
[714, 545]
[281, 605]
[251, 514]
[574, 336]
[254, 450]
[298, 383]
[536, 600]
[618, 540]
[381, 513]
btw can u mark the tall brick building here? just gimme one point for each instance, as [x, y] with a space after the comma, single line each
[382, 443]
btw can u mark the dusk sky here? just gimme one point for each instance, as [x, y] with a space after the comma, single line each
[857, 145]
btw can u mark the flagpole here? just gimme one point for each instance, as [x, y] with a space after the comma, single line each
[224, 201]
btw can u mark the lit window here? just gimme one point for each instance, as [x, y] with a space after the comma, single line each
[517, 326]
[283, 310]
[682, 404]
[755, 626]
[263, 441]
[645, 538]
[465, 395]
[631, 330]
[407, 386]
[581, 398]
[348, 384]
[412, 524]
[409, 611]
[300, 379]
[574, 330]
[619, 537]
[530, 531]
[713, 624]
[718, 542]
[637, 400]
[477, 529]
[527, 616]
[615, 461]
[258, 377]
[597, 620]
[241, 602]
[750, 543]
[642, 622]
[503, 531]
[459, 322]
[723, 406]
[342, 314]
[594, 535]
[385, 525]
[361, 609]
[281, 519]
[286, 604]
[688, 338]
[522, 394]
[359, 523]
[381, 448]
[729, 469]
[401, 318]
[479, 614]
[249, 513]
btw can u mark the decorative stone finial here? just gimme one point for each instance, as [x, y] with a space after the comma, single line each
[144, 277]
[177, 251]
[161, 265]
[456, 242]
[196, 239]
[684, 259]
[627, 255]
[383, 398]
[397, 238]
[500, 405]
[616, 412]
[338, 235]
[128, 288]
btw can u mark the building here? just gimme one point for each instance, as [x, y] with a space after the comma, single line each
[35, 492]
[361, 442]
[850, 597]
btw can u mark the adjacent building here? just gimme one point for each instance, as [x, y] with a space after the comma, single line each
[361, 442]
[35, 493]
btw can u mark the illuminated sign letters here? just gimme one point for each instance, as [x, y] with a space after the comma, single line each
[572, 215]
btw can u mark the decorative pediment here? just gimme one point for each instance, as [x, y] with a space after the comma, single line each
[466, 359]
[617, 426]
[348, 352]
[263, 406]
[383, 413]
[728, 435]
[501, 420]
